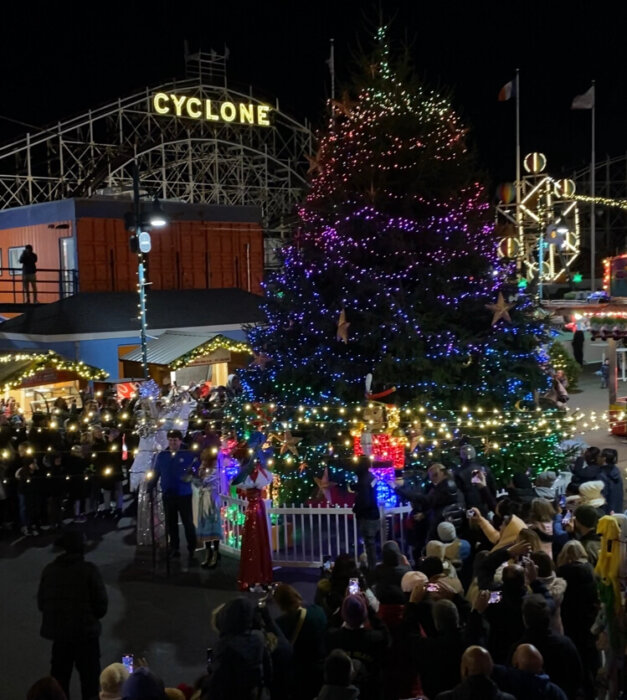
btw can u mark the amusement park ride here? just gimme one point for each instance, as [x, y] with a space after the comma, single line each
[538, 220]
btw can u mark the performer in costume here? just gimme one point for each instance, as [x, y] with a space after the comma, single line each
[209, 528]
[255, 557]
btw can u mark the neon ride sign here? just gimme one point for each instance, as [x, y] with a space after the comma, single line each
[211, 110]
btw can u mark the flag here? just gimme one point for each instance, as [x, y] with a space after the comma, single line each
[507, 91]
[585, 101]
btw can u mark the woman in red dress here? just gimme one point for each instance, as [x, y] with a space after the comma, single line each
[255, 568]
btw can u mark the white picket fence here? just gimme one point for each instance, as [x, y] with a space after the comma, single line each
[304, 535]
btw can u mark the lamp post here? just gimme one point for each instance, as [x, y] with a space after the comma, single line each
[140, 243]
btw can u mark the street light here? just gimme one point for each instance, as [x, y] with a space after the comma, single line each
[140, 243]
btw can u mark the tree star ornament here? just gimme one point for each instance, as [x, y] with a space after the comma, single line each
[314, 163]
[342, 327]
[290, 444]
[324, 485]
[500, 310]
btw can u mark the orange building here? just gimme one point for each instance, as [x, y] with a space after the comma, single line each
[83, 245]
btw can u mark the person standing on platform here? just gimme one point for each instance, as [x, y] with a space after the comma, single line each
[209, 529]
[73, 599]
[28, 261]
[175, 467]
[366, 509]
[255, 569]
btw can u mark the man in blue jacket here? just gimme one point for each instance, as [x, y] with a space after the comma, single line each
[175, 468]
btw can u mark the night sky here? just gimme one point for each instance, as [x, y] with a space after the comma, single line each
[60, 59]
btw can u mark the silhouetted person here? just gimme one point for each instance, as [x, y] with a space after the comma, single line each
[72, 598]
[28, 261]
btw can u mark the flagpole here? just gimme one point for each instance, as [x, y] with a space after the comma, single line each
[518, 182]
[332, 68]
[592, 195]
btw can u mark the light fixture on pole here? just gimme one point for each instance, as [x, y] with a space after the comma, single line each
[141, 244]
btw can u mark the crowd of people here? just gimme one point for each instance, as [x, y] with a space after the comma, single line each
[74, 463]
[496, 598]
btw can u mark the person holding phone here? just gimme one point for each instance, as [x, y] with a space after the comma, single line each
[475, 481]
[362, 636]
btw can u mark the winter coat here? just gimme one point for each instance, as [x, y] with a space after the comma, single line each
[545, 533]
[368, 646]
[613, 490]
[585, 472]
[241, 664]
[474, 495]
[556, 586]
[437, 660]
[505, 537]
[366, 506]
[562, 662]
[72, 598]
[475, 688]
[581, 600]
[525, 685]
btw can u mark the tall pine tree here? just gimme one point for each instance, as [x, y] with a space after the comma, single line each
[393, 272]
[393, 264]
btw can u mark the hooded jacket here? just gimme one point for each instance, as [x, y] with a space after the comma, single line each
[72, 598]
[241, 663]
[613, 489]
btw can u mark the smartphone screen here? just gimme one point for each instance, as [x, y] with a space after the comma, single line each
[562, 500]
[353, 586]
[567, 516]
[495, 597]
[127, 661]
[432, 587]
[209, 655]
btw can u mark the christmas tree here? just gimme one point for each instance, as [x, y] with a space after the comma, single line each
[392, 287]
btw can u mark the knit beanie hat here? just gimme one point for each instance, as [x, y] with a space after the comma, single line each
[354, 611]
[446, 532]
[143, 685]
[587, 515]
[591, 493]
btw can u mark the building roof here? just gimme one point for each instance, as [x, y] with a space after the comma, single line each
[177, 345]
[114, 208]
[89, 315]
[16, 368]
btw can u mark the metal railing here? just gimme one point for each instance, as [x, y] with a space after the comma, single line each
[52, 285]
[305, 535]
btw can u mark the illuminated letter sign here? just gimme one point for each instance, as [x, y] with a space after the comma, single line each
[211, 110]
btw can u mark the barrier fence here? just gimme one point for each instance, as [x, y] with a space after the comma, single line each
[305, 535]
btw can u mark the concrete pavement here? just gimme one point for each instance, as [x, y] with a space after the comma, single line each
[165, 619]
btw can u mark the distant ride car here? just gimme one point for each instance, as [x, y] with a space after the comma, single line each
[599, 297]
